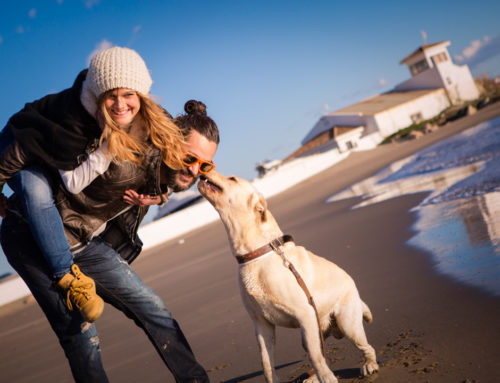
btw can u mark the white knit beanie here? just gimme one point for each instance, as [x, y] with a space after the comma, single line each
[113, 68]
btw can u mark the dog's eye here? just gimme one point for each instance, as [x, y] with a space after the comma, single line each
[232, 179]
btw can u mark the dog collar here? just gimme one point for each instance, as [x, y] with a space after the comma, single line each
[271, 246]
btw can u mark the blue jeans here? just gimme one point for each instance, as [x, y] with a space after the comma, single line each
[33, 187]
[34, 190]
[118, 285]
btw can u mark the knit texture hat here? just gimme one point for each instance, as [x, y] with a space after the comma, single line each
[113, 68]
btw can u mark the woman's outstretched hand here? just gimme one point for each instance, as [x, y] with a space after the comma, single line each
[133, 198]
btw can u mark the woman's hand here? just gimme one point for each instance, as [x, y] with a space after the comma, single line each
[133, 198]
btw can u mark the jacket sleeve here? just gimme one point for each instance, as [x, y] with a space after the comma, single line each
[12, 160]
[79, 178]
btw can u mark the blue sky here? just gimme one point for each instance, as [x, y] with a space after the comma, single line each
[267, 70]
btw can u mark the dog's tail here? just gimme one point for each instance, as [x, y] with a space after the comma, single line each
[367, 314]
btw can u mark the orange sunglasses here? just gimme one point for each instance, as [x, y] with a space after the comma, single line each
[191, 159]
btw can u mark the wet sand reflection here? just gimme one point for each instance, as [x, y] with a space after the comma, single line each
[459, 221]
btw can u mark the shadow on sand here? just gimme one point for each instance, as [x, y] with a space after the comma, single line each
[346, 373]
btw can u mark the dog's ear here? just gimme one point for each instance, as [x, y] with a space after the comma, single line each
[261, 208]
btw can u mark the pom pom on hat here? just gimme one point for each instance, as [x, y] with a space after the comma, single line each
[118, 67]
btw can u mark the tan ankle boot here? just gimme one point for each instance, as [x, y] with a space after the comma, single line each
[80, 292]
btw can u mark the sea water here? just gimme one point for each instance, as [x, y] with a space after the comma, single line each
[459, 220]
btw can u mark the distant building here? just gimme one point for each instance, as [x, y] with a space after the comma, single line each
[265, 167]
[431, 68]
[436, 84]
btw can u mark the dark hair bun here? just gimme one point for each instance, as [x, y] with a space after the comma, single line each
[195, 107]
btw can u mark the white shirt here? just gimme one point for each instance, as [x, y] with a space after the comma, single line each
[79, 178]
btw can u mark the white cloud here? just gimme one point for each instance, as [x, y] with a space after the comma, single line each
[471, 50]
[104, 44]
[91, 3]
[382, 82]
[479, 51]
[133, 37]
[32, 13]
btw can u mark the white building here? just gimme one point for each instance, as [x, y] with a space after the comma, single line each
[436, 84]
[431, 68]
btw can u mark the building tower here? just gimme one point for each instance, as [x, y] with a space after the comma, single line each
[431, 68]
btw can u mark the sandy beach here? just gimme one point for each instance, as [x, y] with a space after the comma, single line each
[427, 327]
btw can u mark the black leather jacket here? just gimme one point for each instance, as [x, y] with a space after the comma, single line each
[121, 233]
[56, 131]
[100, 205]
[86, 213]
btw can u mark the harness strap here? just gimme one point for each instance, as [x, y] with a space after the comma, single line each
[310, 299]
[275, 245]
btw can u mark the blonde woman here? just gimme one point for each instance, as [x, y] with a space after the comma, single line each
[105, 118]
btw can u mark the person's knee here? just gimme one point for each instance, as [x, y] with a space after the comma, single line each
[34, 189]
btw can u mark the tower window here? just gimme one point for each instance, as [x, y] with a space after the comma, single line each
[439, 58]
[416, 118]
[418, 67]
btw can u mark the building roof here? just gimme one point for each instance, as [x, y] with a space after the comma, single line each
[423, 48]
[369, 107]
[382, 102]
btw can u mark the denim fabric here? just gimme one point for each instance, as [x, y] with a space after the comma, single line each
[78, 338]
[118, 285]
[33, 187]
[35, 193]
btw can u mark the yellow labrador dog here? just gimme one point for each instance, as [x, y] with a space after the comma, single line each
[270, 291]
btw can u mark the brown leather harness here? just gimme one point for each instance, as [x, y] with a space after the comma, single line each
[275, 245]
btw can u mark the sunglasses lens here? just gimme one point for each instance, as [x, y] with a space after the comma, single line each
[189, 160]
[205, 167]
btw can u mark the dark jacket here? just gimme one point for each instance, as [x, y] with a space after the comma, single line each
[87, 212]
[56, 131]
[121, 233]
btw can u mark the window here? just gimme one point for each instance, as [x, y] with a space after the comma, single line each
[351, 145]
[439, 58]
[418, 67]
[416, 117]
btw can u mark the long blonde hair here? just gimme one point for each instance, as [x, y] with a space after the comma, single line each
[164, 134]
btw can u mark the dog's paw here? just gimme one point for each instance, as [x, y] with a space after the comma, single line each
[369, 368]
[330, 378]
[311, 379]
